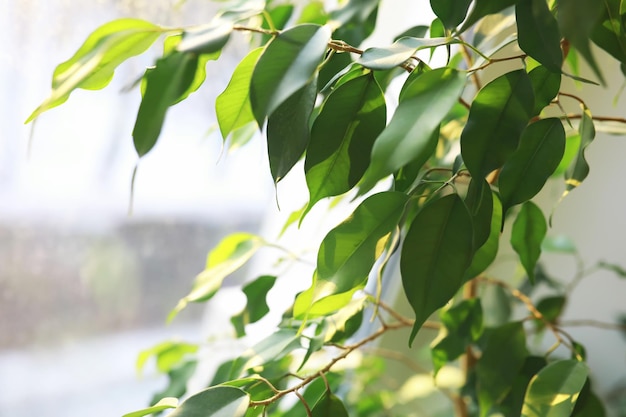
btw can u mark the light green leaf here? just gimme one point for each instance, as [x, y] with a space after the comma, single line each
[558, 244]
[579, 169]
[272, 348]
[288, 64]
[256, 306]
[168, 354]
[529, 230]
[538, 33]
[227, 257]
[497, 117]
[451, 12]
[391, 56]
[572, 145]
[486, 254]
[221, 401]
[342, 136]
[313, 12]
[164, 404]
[329, 405]
[554, 390]
[436, 252]
[233, 105]
[546, 85]
[426, 102]
[540, 150]
[483, 8]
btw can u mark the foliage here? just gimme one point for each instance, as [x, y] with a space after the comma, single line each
[458, 161]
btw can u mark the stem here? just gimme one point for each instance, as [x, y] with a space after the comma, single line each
[594, 323]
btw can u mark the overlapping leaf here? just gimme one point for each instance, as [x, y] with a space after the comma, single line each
[485, 255]
[451, 12]
[483, 8]
[546, 85]
[538, 33]
[378, 58]
[529, 230]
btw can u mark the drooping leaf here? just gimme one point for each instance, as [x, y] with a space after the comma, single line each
[425, 104]
[525, 173]
[554, 390]
[588, 403]
[329, 405]
[418, 31]
[529, 230]
[551, 309]
[496, 120]
[357, 18]
[451, 12]
[485, 255]
[232, 107]
[164, 404]
[610, 32]
[227, 257]
[384, 58]
[288, 64]
[342, 136]
[538, 33]
[436, 252]
[546, 85]
[288, 130]
[256, 306]
[579, 169]
[221, 401]
[483, 8]
[168, 354]
[93, 65]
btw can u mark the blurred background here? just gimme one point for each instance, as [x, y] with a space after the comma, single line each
[84, 286]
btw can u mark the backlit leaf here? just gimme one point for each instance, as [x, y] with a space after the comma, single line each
[178, 377]
[436, 252]
[272, 348]
[538, 33]
[579, 169]
[288, 64]
[221, 401]
[496, 120]
[164, 404]
[529, 230]
[483, 8]
[256, 306]
[384, 58]
[546, 85]
[168, 354]
[451, 12]
[554, 390]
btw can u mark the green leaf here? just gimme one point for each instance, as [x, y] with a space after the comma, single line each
[486, 253]
[483, 8]
[554, 390]
[558, 244]
[538, 33]
[551, 309]
[579, 169]
[436, 252]
[272, 348]
[588, 403]
[313, 12]
[221, 401]
[233, 105]
[496, 120]
[206, 39]
[512, 404]
[479, 201]
[288, 64]
[329, 405]
[451, 12]
[342, 136]
[615, 268]
[288, 130]
[227, 257]
[426, 102]
[546, 85]
[503, 356]
[165, 85]
[540, 150]
[610, 33]
[256, 306]
[377, 58]
[572, 145]
[177, 381]
[164, 404]
[93, 65]
[529, 230]
[168, 354]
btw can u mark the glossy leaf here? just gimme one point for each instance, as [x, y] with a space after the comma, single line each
[483, 8]
[227, 257]
[451, 12]
[162, 405]
[529, 230]
[538, 33]
[329, 405]
[486, 253]
[93, 65]
[579, 169]
[342, 136]
[425, 104]
[525, 173]
[496, 120]
[384, 58]
[554, 390]
[232, 107]
[168, 354]
[287, 65]
[288, 130]
[436, 252]
[221, 401]
[256, 306]
[546, 85]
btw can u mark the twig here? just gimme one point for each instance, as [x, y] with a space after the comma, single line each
[494, 60]
[304, 403]
[597, 118]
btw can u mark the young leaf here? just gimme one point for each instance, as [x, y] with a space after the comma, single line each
[164, 404]
[288, 130]
[497, 117]
[425, 104]
[540, 150]
[451, 12]
[554, 390]
[342, 136]
[221, 401]
[546, 85]
[486, 254]
[93, 65]
[538, 33]
[329, 405]
[288, 63]
[256, 307]
[391, 56]
[436, 252]
[232, 107]
[529, 229]
[483, 8]
[579, 170]
[168, 354]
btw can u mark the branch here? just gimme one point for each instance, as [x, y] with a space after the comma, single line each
[594, 323]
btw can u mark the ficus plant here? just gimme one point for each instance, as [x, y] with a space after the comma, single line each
[435, 178]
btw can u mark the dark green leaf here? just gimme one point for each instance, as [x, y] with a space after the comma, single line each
[512, 404]
[554, 390]
[529, 230]
[168, 354]
[164, 404]
[525, 173]
[256, 307]
[496, 120]
[357, 18]
[329, 405]
[483, 8]
[436, 252]
[579, 169]
[551, 309]
[342, 136]
[588, 404]
[496, 304]
[222, 401]
[425, 104]
[288, 130]
[93, 65]
[378, 58]
[288, 63]
[486, 253]
[451, 12]
[479, 201]
[546, 85]
[503, 357]
[538, 33]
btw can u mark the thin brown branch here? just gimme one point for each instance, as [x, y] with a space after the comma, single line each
[467, 56]
[304, 403]
[494, 60]
[597, 118]
[572, 96]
